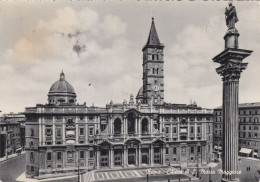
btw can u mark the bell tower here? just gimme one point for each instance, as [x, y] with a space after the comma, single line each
[153, 83]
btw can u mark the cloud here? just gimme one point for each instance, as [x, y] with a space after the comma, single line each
[191, 71]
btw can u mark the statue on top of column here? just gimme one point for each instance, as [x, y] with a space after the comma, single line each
[231, 16]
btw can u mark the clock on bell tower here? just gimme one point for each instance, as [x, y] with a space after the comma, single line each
[153, 71]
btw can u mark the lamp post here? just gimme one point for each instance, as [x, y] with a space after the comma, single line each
[210, 174]
[78, 172]
[197, 170]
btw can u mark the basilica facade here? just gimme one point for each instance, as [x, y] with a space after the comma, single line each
[63, 136]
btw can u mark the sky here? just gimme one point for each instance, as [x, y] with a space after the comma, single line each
[98, 45]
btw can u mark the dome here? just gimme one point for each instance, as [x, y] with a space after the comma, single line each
[62, 92]
[62, 86]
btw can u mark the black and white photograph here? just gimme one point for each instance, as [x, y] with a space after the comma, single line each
[129, 91]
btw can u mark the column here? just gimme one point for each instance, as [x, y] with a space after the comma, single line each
[125, 156]
[195, 130]
[152, 155]
[230, 69]
[139, 127]
[112, 157]
[53, 134]
[40, 132]
[63, 131]
[136, 156]
[151, 125]
[43, 135]
[77, 131]
[98, 158]
[86, 158]
[136, 123]
[86, 133]
[160, 124]
[140, 155]
[109, 158]
[164, 154]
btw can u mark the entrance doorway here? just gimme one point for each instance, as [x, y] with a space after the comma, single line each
[145, 156]
[157, 155]
[118, 157]
[131, 156]
[104, 158]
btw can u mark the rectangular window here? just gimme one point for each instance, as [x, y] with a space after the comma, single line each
[91, 131]
[59, 156]
[81, 154]
[249, 135]
[198, 129]
[48, 132]
[91, 154]
[81, 131]
[58, 132]
[198, 149]
[174, 150]
[167, 151]
[167, 130]
[103, 127]
[174, 130]
[191, 129]
[49, 156]
[244, 127]
[191, 150]
[249, 127]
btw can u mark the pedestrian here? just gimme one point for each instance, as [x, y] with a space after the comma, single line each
[249, 168]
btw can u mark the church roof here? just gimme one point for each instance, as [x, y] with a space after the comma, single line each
[62, 86]
[153, 39]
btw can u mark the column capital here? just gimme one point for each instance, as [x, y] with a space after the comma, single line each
[231, 70]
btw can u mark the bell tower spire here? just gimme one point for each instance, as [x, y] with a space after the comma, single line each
[153, 71]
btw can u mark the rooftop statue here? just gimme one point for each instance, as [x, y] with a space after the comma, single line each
[231, 16]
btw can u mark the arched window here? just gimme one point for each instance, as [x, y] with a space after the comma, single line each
[144, 126]
[131, 123]
[117, 126]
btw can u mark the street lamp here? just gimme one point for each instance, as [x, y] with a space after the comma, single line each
[197, 170]
[78, 172]
[210, 174]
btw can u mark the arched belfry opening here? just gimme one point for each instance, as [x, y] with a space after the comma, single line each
[117, 126]
[131, 123]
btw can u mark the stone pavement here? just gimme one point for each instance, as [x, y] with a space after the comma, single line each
[134, 175]
[23, 178]
[2, 159]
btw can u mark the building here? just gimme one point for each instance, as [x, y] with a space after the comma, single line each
[12, 133]
[249, 129]
[63, 135]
